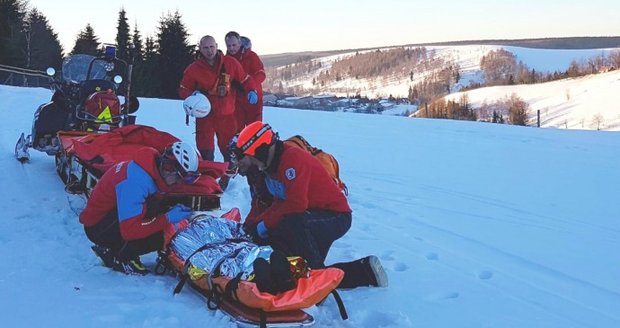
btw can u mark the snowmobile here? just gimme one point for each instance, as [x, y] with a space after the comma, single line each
[85, 98]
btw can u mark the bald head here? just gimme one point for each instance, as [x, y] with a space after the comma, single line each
[208, 48]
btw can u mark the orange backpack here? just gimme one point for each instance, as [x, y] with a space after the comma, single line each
[328, 161]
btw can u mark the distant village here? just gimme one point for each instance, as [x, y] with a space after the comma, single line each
[391, 106]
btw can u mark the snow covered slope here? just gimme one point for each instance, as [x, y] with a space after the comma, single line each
[478, 225]
[588, 102]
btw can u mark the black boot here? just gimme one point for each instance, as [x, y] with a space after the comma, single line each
[262, 277]
[281, 272]
[367, 271]
[105, 254]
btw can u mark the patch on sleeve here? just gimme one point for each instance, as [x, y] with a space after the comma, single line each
[290, 173]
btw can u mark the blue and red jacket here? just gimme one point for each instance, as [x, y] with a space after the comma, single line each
[126, 187]
[298, 182]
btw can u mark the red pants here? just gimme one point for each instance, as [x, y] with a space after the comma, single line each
[224, 127]
[246, 113]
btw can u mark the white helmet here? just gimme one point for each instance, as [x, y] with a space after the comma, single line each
[186, 155]
[197, 105]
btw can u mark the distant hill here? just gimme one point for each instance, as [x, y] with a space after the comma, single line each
[283, 59]
[427, 71]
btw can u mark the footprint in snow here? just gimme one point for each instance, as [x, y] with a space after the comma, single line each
[400, 267]
[388, 255]
[484, 275]
[444, 295]
[432, 256]
[451, 295]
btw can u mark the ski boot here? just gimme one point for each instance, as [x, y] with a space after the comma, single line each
[21, 148]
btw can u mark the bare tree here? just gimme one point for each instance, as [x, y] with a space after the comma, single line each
[499, 67]
[597, 121]
[614, 59]
[517, 110]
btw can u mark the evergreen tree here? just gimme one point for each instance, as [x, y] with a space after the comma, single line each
[137, 59]
[123, 42]
[175, 54]
[137, 49]
[87, 43]
[44, 49]
[147, 82]
[12, 33]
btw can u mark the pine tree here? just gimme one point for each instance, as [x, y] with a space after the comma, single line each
[87, 43]
[139, 65]
[123, 42]
[137, 51]
[44, 49]
[175, 54]
[12, 33]
[147, 83]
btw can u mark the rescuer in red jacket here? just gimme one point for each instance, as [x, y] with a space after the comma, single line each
[123, 217]
[213, 73]
[241, 48]
[308, 211]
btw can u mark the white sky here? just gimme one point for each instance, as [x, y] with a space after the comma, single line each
[277, 26]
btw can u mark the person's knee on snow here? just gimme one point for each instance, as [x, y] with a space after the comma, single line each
[123, 228]
[308, 211]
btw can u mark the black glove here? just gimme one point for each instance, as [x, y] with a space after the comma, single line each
[250, 230]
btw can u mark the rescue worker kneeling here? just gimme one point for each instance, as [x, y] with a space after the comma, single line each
[306, 211]
[123, 217]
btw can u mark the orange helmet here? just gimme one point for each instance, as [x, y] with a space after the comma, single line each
[253, 136]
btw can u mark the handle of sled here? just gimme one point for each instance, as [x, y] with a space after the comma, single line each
[127, 95]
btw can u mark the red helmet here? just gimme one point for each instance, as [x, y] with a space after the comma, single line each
[253, 136]
[103, 106]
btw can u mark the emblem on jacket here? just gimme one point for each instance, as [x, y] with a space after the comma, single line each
[290, 173]
[118, 167]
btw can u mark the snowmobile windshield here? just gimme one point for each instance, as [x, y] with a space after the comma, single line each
[75, 68]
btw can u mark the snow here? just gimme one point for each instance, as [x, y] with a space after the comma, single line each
[577, 103]
[467, 57]
[477, 225]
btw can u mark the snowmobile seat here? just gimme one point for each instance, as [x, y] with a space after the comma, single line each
[48, 120]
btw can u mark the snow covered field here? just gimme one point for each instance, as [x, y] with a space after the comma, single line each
[587, 102]
[478, 225]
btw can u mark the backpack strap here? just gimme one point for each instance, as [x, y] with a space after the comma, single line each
[185, 273]
[341, 308]
[216, 268]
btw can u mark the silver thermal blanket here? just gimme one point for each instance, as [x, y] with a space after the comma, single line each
[220, 242]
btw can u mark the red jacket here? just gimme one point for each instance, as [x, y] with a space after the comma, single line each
[126, 188]
[298, 182]
[205, 78]
[254, 67]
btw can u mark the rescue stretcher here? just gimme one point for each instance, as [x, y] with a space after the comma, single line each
[85, 156]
